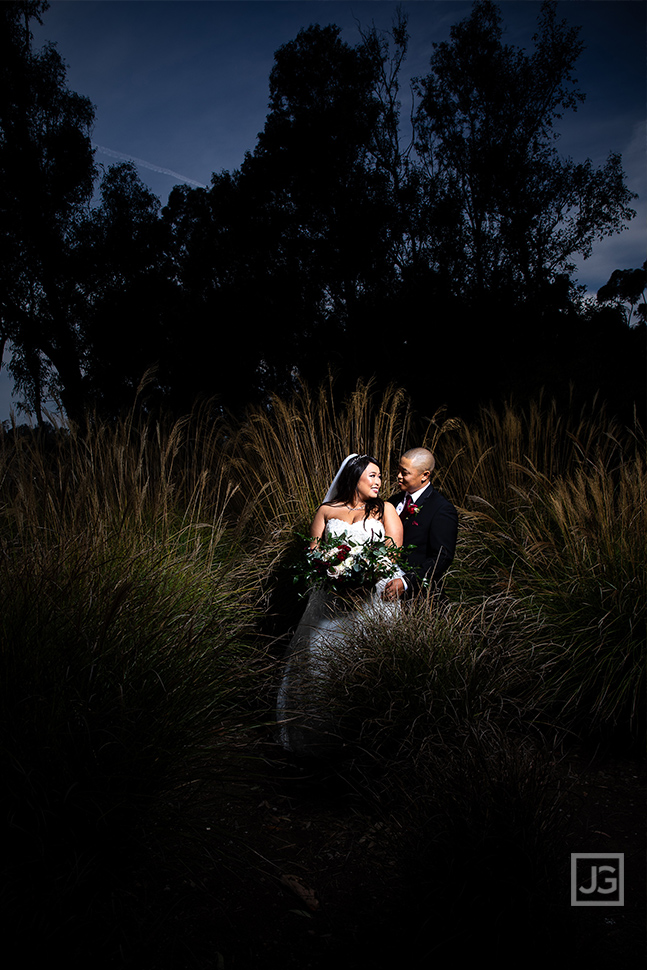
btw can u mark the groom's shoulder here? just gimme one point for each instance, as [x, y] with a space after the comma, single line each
[437, 498]
[394, 499]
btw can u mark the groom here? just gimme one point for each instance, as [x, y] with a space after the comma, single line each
[429, 521]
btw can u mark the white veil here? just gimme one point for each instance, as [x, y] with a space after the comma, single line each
[332, 491]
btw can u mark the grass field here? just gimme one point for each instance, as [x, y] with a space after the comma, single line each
[146, 601]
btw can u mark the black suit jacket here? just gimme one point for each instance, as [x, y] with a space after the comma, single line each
[433, 533]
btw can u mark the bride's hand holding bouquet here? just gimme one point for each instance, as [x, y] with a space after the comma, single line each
[340, 563]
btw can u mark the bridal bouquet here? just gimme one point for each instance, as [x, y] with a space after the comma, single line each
[341, 564]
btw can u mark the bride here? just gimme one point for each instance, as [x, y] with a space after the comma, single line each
[352, 507]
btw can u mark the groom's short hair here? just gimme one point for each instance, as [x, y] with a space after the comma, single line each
[422, 458]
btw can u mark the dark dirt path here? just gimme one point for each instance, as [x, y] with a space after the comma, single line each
[331, 880]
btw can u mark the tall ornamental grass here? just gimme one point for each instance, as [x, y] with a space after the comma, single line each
[127, 682]
[581, 560]
[433, 715]
[137, 559]
[552, 522]
[570, 549]
[128, 476]
[401, 688]
[284, 455]
[487, 460]
[288, 453]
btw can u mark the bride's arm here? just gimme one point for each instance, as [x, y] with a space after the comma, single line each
[396, 587]
[318, 525]
[392, 524]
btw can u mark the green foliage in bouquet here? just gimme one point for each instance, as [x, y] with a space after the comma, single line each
[340, 564]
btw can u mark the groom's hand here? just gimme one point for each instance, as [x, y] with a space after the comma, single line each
[393, 589]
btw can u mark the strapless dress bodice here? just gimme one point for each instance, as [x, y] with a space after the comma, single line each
[362, 531]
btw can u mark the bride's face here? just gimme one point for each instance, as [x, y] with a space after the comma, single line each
[369, 484]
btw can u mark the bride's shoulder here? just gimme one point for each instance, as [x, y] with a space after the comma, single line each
[323, 515]
[330, 509]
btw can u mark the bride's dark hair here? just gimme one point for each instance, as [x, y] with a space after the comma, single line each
[347, 485]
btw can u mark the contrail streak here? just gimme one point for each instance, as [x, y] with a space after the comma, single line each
[149, 165]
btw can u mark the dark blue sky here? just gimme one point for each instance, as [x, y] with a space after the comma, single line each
[181, 86]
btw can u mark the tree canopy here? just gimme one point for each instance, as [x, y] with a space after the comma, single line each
[486, 125]
[439, 255]
[47, 177]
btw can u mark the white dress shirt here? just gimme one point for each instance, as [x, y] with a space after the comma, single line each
[414, 498]
[400, 506]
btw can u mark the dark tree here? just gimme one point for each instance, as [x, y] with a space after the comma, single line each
[279, 255]
[441, 260]
[127, 287]
[46, 181]
[215, 331]
[324, 206]
[627, 287]
[343, 243]
[487, 135]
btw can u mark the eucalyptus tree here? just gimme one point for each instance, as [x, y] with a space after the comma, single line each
[626, 289]
[46, 181]
[325, 207]
[128, 288]
[488, 140]
[276, 259]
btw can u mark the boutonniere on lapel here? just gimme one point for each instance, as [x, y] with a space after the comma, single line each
[411, 510]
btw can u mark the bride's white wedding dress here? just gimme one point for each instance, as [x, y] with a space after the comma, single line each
[326, 629]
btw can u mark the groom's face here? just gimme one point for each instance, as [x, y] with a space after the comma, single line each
[410, 476]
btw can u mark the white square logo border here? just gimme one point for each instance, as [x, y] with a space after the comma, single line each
[598, 878]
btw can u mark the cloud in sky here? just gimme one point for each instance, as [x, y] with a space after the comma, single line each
[148, 165]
